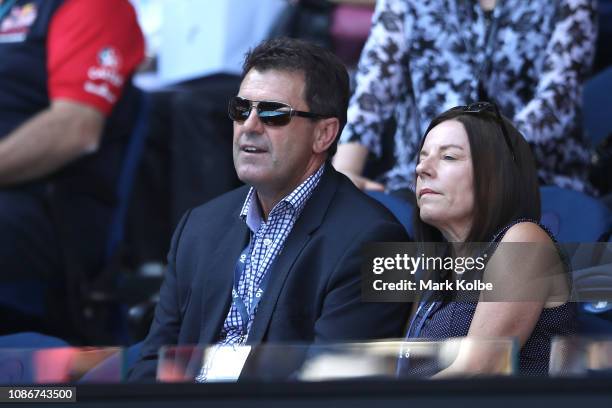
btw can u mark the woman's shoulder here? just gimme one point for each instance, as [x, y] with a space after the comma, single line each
[524, 230]
[541, 255]
[527, 231]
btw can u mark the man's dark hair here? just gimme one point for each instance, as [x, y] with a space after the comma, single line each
[504, 189]
[326, 78]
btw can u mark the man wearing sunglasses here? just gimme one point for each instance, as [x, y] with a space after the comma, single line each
[277, 260]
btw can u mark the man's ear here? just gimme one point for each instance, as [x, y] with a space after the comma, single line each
[325, 134]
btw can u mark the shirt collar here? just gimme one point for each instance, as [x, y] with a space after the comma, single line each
[295, 201]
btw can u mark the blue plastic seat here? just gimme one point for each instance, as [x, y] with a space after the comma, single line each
[597, 106]
[402, 209]
[573, 216]
[16, 359]
[576, 217]
[15, 355]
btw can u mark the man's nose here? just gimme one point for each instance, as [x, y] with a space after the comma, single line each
[253, 123]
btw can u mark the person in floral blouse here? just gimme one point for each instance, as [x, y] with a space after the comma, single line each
[425, 56]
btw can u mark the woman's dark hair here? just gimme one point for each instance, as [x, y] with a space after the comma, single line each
[505, 188]
[327, 81]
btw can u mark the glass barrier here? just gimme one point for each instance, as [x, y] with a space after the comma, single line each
[374, 360]
[581, 357]
[61, 365]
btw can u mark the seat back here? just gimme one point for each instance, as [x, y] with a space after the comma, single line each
[129, 167]
[402, 209]
[28, 298]
[105, 319]
[597, 106]
[573, 216]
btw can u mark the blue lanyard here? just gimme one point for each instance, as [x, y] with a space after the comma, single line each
[6, 7]
[238, 301]
[415, 332]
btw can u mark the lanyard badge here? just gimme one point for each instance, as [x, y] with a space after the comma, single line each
[239, 271]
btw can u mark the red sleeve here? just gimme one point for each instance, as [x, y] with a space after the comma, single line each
[93, 47]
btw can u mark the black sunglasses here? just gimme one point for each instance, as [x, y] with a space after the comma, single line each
[479, 107]
[270, 113]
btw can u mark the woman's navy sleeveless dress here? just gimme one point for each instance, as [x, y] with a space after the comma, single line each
[452, 319]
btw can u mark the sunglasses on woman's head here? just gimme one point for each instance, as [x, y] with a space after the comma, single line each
[269, 113]
[479, 107]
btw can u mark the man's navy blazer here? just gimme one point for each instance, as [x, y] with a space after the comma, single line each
[314, 293]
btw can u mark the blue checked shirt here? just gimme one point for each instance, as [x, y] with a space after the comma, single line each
[267, 239]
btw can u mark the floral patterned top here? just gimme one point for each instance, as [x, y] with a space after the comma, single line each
[425, 56]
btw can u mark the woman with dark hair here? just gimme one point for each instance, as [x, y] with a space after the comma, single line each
[476, 181]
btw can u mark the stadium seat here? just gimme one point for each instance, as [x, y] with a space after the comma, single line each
[573, 216]
[28, 298]
[579, 221]
[402, 209]
[30, 340]
[103, 295]
[15, 364]
[597, 106]
[128, 173]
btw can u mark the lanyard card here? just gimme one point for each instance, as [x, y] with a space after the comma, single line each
[224, 363]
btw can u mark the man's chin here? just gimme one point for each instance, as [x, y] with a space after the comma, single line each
[252, 178]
